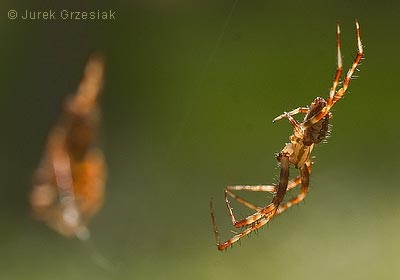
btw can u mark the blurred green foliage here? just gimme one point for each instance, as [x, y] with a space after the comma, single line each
[189, 96]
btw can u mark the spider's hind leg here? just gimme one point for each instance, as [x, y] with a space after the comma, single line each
[263, 216]
[269, 208]
[305, 180]
[260, 188]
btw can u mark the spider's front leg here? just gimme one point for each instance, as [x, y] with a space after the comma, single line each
[296, 126]
[336, 95]
[303, 110]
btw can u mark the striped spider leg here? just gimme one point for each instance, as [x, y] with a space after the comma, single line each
[257, 223]
[229, 191]
[312, 130]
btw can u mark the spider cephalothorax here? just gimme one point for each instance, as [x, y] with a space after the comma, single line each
[312, 130]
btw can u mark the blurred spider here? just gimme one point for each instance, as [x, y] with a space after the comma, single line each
[68, 185]
[312, 130]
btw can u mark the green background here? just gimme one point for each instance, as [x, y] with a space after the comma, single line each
[190, 91]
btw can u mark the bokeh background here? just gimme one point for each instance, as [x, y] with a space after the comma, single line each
[190, 92]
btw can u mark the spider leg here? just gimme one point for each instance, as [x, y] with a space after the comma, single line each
[305, 174]
[336, 96]
[253, 188]
[214, 223]
[335, 83]
[297, 128]
[339, 69]
[261, 212]
[303, 110]
[237, 237]
[305, 180]
[283, 180]
[243, 201]
[222, 246]
[276, 200]
[360, 52]
[261, 188]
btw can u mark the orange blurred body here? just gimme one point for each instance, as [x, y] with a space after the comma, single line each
[69, 182]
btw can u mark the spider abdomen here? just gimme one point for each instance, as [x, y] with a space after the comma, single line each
[316, 132]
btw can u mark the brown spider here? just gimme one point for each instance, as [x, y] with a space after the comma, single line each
[68, 185]
[312, 130]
